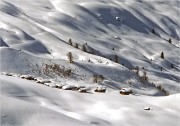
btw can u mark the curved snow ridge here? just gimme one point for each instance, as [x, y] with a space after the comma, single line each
[13, 35]
[33, 47]
[10, 9]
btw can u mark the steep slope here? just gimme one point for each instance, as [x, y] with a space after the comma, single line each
[114, 44]
[110, 31]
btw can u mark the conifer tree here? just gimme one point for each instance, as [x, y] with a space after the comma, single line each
[153, 31]
[84, 48]
[76, 46]
[70, 42]
[172, 65]
[162, 55]
[70, 57]
[116, 59]
[170, 41]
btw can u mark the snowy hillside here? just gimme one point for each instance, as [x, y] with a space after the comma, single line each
[111, 44]
[27, 103]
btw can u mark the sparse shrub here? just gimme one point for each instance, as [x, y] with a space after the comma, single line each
[137, 70]
[56, 69]
[164, 91]
[113, 48]
[153, 84]
[144, 76]
[34, 68]
[162, 55]
[101, 78]
[97, 78]
[49, 69]
[70, 57]
[129, 82]
[160, 88]
[99, 60]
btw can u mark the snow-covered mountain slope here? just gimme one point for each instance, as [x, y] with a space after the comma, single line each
[111, 31]
[27, 103]
[114, 43]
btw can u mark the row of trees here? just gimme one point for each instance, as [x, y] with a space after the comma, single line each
[116, 58]
[77, 46]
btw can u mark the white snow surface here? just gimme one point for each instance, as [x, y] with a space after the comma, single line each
[35, 33]
[24, 102]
